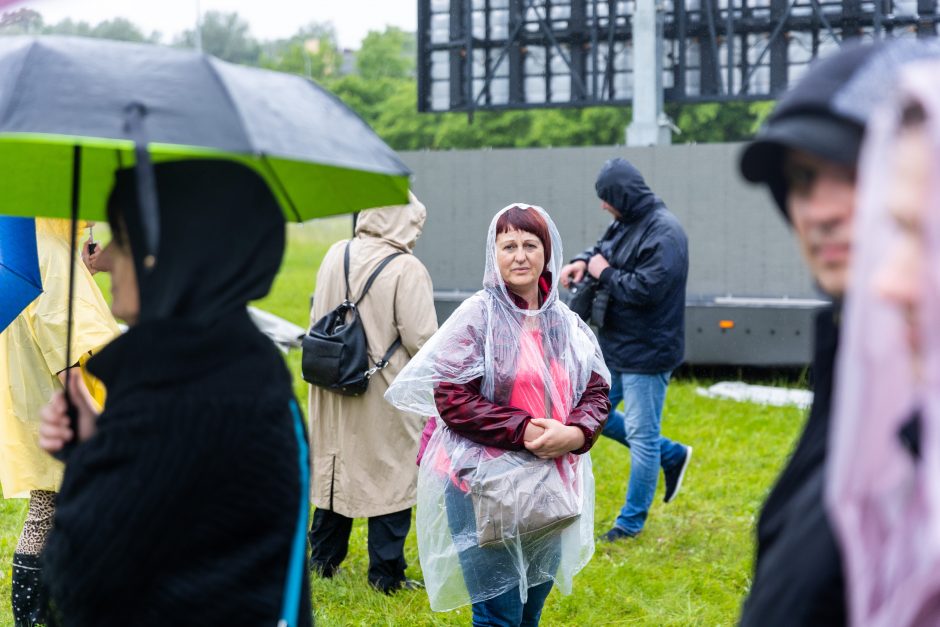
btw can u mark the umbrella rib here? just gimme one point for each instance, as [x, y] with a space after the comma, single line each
[280, 186]
[207, 59]
[19, 275]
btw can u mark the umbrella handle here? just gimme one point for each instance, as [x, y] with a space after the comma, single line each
[71, 411]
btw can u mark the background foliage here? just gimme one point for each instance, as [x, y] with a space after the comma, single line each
[378, 82]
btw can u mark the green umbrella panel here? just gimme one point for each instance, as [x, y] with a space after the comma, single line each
[38, 171]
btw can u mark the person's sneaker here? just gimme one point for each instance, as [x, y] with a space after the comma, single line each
[616, 534]
[674, 476]
[324, 571]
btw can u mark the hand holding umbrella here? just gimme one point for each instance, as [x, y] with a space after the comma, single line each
[91, 252]
[55, 432]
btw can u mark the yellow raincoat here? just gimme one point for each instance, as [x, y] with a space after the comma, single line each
[32, 352]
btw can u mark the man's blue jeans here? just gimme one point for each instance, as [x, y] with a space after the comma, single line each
[638, 427]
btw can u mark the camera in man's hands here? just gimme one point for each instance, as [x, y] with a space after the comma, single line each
[581, 296]
[589, 299]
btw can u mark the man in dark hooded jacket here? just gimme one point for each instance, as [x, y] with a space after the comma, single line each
[642, 262]
[807, 154]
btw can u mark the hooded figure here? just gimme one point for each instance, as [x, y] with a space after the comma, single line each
[499, 366]
[640, 264]
[32, 363]
[644, 329]
[363, 449]
[883, 484]
[187, 503]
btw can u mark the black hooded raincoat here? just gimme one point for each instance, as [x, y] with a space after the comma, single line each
[184, 506]
[648, 253]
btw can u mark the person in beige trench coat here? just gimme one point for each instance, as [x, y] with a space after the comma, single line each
[363, 449]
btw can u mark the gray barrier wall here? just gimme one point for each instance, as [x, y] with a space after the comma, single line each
[739, 245]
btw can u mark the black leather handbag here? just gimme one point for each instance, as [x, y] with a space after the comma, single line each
[581, 297]
[589, 299]
[335, 351]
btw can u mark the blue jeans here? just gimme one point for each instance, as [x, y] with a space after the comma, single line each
[484, 569]
[507, 610]
[638, 428]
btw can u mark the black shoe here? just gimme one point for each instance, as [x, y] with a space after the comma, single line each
[616, 534]
[674, 476]
[324, 571]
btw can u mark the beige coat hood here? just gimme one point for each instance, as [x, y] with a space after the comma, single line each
[398, 225]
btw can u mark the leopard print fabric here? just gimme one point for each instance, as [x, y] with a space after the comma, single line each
[38, 522]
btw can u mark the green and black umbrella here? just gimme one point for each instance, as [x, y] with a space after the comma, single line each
[71, 110]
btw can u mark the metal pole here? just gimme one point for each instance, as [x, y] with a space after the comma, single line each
[645, 129]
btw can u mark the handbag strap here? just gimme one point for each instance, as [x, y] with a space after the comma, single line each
[346, 268]
[372, 276]
[379, 365]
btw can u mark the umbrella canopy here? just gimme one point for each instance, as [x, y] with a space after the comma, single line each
[20, 282]
[68, 99]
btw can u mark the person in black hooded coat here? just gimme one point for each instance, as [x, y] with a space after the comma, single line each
[642, 262]
[184, 502]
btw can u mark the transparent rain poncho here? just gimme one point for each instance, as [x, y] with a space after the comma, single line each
[529, 359]
[883, 499]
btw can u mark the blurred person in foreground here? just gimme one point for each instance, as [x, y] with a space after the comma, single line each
[184, 502]
[32, 369]
[883, 485]
[807, 155]
[516, 388]
[362, 448]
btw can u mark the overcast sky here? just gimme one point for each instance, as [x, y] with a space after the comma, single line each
[269, 19]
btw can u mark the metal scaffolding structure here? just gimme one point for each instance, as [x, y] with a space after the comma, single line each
[517, 54]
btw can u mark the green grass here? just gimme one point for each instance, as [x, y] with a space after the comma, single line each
[690, 566]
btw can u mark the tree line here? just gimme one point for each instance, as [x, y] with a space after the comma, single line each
[378, 82]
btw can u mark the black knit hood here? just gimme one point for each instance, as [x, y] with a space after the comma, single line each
[221, 239]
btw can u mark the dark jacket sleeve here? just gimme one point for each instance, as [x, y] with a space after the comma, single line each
[660, 263]
[591, 412]
[587, 254]
[465, 410]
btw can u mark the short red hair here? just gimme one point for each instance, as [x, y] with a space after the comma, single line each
[518, 218]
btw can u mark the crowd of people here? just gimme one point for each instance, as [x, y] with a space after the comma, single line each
[184, 495]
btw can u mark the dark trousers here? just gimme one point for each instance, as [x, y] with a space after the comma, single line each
[329, 543]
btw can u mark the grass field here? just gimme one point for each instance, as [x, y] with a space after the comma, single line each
[691, 565]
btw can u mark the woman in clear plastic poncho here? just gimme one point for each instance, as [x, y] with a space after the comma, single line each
[516, 390]
[883, 487]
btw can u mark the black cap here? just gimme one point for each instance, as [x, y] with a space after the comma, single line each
[809, 117]
[826, 111]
